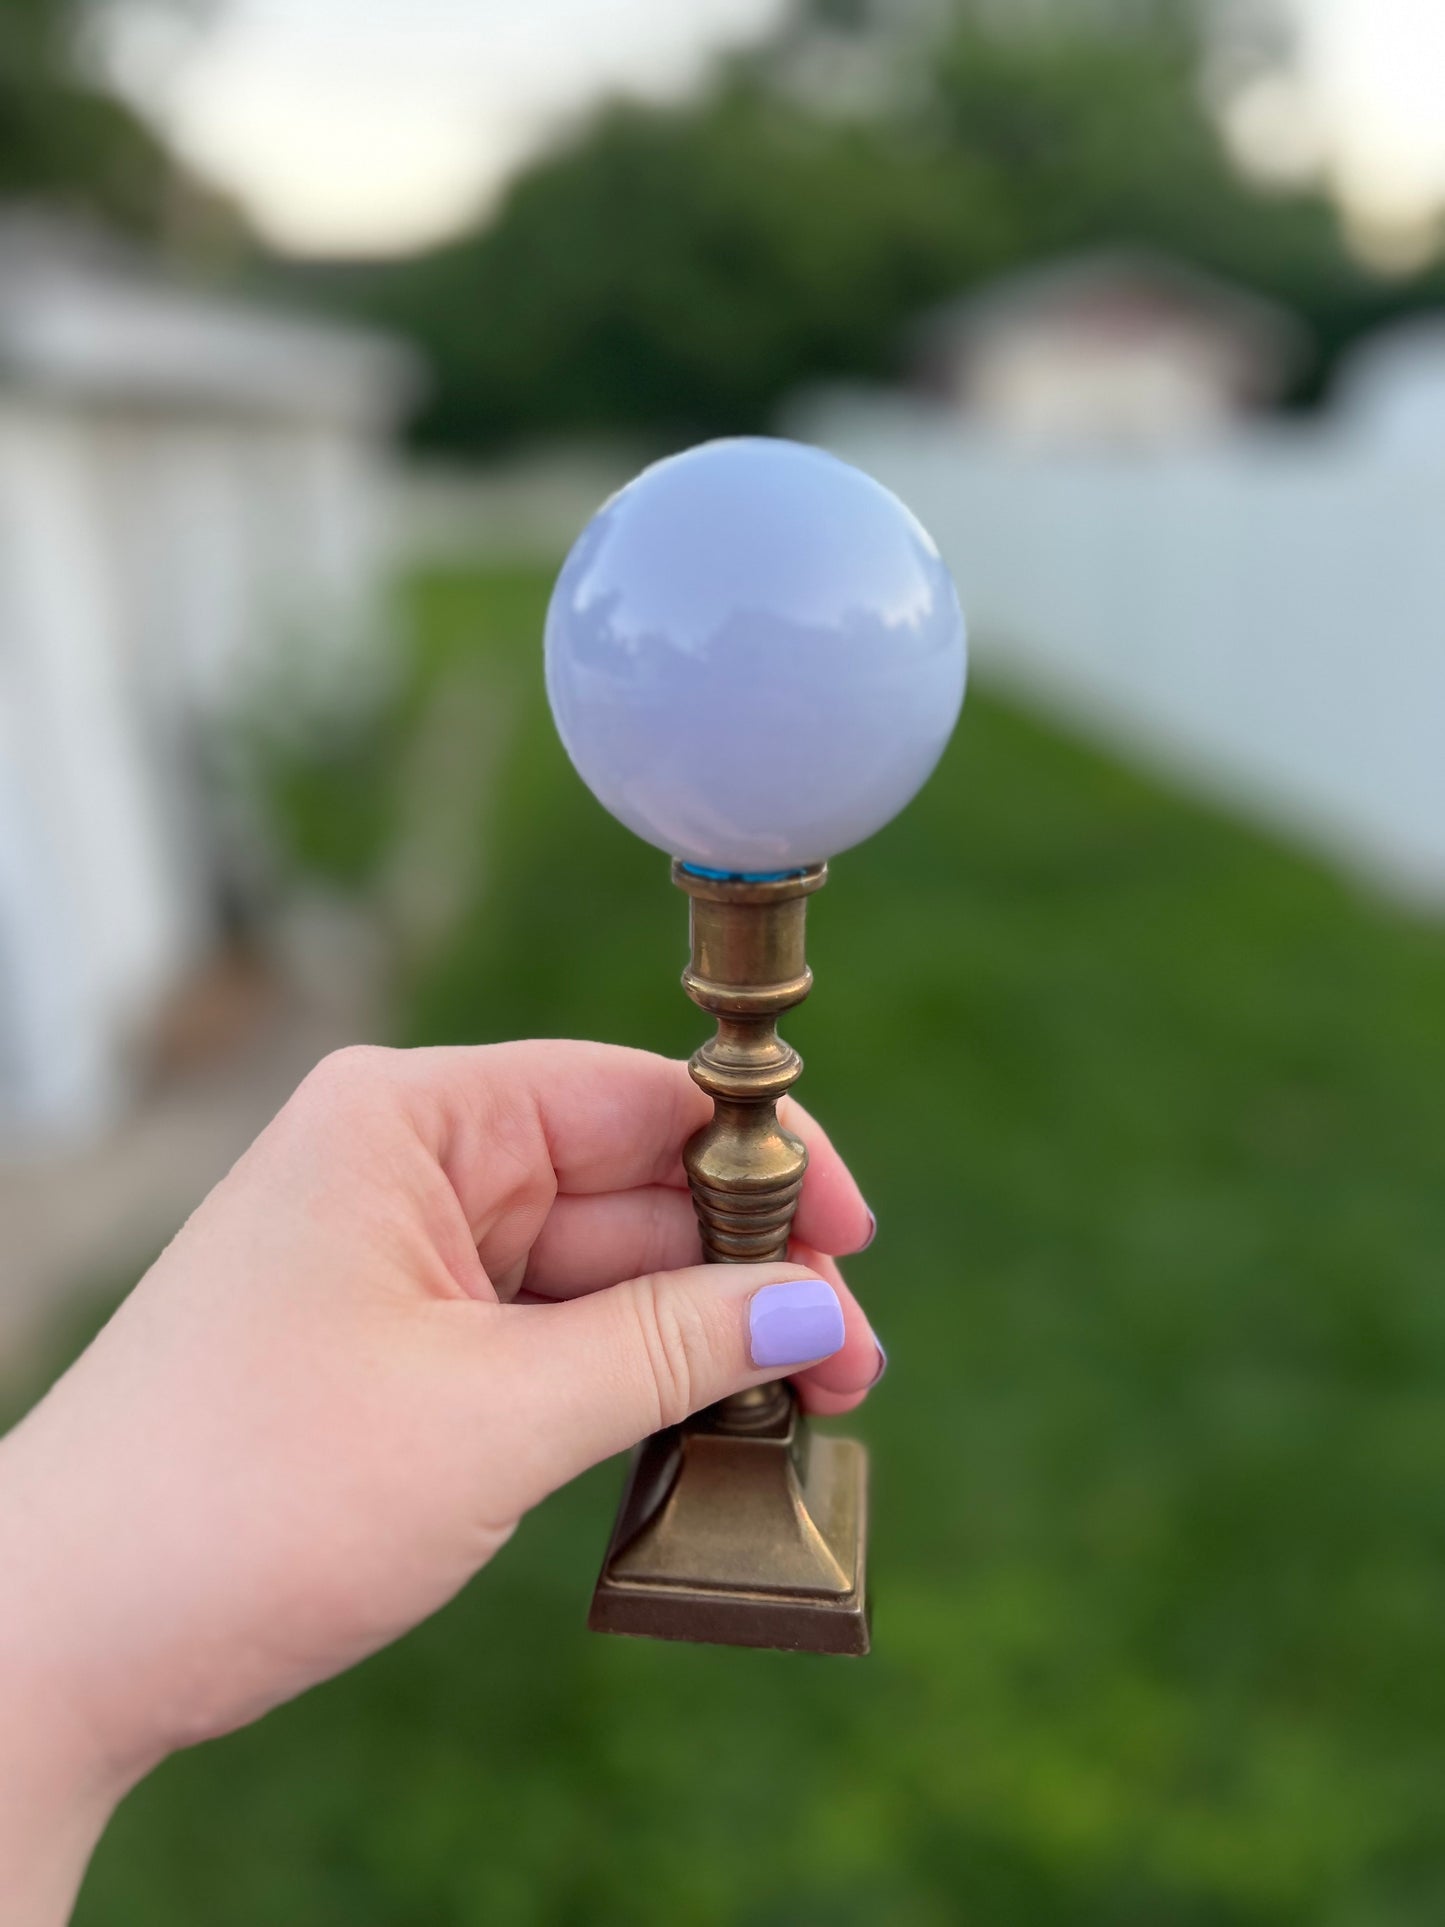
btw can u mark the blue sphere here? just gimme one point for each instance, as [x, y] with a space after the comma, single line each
[755, 655]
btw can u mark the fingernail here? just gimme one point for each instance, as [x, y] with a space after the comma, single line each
[793, 1323]
[882, 1364]
[872, 1229]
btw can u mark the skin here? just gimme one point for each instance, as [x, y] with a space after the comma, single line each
[438, 1286]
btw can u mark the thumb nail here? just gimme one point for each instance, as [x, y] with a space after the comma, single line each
[794, 1323]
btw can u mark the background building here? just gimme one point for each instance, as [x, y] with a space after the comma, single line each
[1119, 347]
[191, 520]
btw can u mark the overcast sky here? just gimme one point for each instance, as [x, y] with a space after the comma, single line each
[346, 125]
[375, 125]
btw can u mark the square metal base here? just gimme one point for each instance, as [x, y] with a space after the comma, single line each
[751, 1540]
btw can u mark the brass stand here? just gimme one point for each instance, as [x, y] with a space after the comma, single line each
[739, 1527]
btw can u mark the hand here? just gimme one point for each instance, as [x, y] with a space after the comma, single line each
[390, 1331]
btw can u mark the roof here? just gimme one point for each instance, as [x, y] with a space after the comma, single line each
[86, 316]
[1103, 280]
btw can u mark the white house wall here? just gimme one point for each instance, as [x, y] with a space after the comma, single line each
[158, 571]
[93, 920]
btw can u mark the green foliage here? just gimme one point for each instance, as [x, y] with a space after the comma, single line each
[1149, 1112]
[675, 269]
[679, 270]
[63, 139]
[331, 806]
[326, 784]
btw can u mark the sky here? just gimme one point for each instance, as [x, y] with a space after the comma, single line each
[374, 126]
[1366, 110]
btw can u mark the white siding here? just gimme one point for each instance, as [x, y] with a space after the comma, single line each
[157, 570]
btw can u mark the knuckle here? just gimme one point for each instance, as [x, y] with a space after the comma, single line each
[672, 1238]
[673, 1338]
[343, 1076]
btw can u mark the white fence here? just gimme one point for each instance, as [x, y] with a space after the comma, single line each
[1264, 617]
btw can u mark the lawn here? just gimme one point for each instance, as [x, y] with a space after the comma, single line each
[1151, 1116]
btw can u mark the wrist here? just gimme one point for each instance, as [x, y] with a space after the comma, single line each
[61, 1776]
[55, 1801]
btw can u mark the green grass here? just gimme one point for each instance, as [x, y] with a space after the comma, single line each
[1151, 1116]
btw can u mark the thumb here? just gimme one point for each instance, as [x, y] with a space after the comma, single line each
[603, 1371]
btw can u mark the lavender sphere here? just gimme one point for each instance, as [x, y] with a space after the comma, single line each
[755, 656]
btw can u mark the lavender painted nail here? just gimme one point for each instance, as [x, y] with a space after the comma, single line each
[793, 1323]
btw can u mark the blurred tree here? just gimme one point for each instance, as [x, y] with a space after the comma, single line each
[65, 140]
[1091, 125]
[675, 271]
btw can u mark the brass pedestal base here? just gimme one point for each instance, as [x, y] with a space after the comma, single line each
[741, 1538]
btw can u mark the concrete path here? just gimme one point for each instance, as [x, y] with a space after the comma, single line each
[93, 1218]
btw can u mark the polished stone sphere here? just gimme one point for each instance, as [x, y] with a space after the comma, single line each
[755, 656]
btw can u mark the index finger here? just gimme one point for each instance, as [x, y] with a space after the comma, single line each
[601, 1118]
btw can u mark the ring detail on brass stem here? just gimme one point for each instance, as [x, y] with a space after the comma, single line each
[744, 1169]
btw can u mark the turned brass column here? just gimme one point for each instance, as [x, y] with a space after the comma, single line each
[745, 1171]
[740, 1526]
